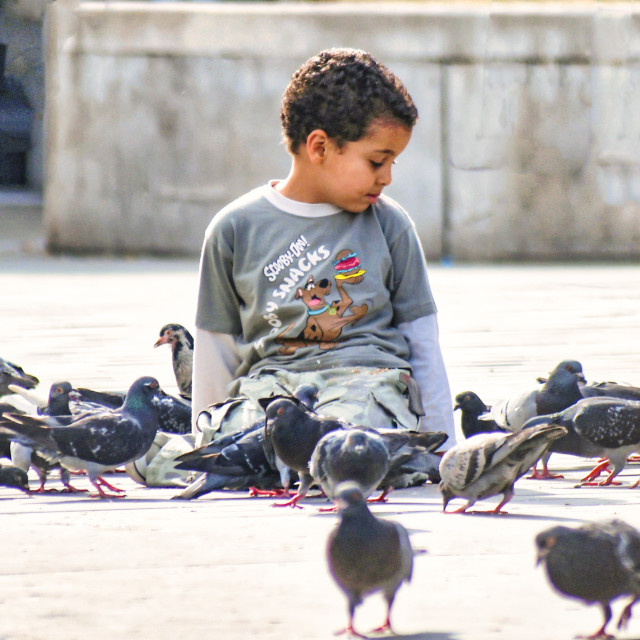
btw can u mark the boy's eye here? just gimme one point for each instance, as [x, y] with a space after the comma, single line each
[376, 165]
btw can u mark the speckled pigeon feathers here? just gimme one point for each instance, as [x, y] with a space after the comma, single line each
[489, 464]
[606, 427]
[106, 439]
[182, 344]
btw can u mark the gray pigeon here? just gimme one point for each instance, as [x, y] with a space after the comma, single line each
[596, 563]
[599, 426]
[489, 464]
[59, 414]
[11, 476]
[560, 391]
[291, 433]
[181, 342]
[351, 454]
[97, 442]
[367, 554]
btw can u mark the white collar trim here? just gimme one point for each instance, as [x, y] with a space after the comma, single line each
[303, 209]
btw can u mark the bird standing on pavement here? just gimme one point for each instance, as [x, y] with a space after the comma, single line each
[351, 454]
[600, 426]
[58, 410]
[291, 433]
[100, 441]
[596, 563]
[489, 464]
[181, 342]
[367, 554]
[559, 391]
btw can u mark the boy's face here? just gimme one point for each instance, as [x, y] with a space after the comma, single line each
[355, 175]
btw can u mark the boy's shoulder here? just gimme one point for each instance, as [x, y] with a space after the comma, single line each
[391, 214]
[248, 203]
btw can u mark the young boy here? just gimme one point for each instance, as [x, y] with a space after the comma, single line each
[319, 278]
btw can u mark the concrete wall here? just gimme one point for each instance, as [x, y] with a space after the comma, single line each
[21, 31]
[528, 145]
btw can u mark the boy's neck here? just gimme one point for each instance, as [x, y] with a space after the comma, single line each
[301, 183]
[297, 207]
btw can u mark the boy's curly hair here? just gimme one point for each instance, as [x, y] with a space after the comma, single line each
[342, 91]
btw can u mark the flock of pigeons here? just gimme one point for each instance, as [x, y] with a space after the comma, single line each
[88, 431]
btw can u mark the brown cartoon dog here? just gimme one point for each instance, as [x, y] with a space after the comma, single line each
[325, 320]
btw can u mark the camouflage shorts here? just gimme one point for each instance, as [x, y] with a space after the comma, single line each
[367, 396]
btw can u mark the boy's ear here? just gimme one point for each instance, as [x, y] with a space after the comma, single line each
[317, 144]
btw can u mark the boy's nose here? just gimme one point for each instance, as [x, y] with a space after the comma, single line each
[384, 176]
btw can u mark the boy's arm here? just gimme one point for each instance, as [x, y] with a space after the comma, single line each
[430, 374]
[215, 360]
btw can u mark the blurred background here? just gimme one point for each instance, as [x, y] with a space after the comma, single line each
[125, 126]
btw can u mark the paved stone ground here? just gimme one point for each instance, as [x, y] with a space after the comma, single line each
[227, 566]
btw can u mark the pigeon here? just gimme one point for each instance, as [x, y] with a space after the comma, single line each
[351, 454]
[412, 459]
[92, 399]
[59, 414]
[12, 374]
[12, 476]
[596, 563]
[601, 426]
[236, 462]
[181, 343]
[5, 439]
[175, 413]
[610, 389]
[100, 441]
[367, 554]
[471, 408]
[489, 464]
[560, 391]
[291, 433]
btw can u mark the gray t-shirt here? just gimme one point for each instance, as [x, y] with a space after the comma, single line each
[316, 289]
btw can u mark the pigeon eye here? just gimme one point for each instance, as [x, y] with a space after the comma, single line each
[280, 411]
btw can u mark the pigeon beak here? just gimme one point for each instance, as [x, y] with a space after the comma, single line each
[581, 378]
[161, 340]
[457, 406]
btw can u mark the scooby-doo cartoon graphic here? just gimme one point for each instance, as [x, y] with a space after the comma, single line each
[325, 320]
